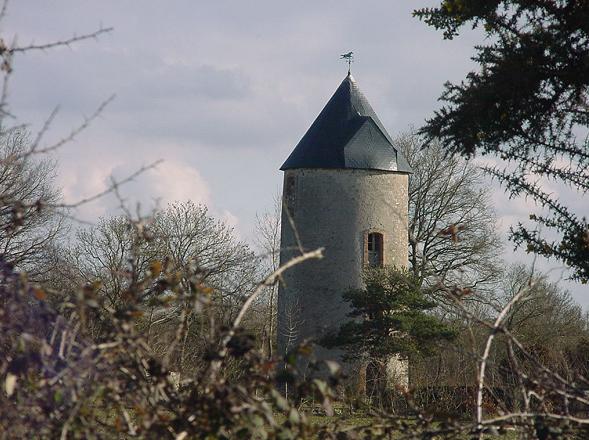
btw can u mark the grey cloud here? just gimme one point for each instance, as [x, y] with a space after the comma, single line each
[186, 83]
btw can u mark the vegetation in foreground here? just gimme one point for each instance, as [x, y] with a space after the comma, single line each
[144, 328]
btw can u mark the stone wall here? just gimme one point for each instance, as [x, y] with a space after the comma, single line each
[334, 209]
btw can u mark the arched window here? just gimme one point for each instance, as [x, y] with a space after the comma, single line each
[374, 249]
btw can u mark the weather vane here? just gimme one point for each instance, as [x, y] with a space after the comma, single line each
[349, 58]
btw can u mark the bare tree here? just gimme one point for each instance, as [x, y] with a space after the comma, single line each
[189, 236]
[186, 240]
[452, 237]
[29, 223]
[185, 235]
[109, 251]
[548, 321]
[267, 240]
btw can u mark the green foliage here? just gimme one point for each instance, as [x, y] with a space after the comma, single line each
[528, 105]
[392, 315]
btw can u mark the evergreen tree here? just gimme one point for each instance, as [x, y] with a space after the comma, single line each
[528, 105]
[391, 315]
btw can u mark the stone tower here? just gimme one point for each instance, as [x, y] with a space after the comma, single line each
[345, 189]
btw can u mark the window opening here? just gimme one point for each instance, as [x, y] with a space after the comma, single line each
[375, 249]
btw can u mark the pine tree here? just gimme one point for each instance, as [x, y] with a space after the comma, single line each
[391, 315]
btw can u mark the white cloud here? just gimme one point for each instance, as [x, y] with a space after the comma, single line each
[84, 177]
[172, 181]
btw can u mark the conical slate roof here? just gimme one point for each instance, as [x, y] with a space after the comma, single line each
[347, 134]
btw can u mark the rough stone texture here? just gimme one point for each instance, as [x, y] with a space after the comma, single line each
[397, 372]
[334, 209]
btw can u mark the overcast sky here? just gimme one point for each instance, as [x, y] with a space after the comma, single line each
[221, 90]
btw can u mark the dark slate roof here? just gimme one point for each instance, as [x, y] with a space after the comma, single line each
[347, 134]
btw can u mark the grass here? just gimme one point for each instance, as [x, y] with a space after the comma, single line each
[359, 420]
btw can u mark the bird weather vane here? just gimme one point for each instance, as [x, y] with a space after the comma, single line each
[349, 58]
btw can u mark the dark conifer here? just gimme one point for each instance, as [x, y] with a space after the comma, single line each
[528, 105]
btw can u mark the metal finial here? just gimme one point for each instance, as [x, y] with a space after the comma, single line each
[349, 58]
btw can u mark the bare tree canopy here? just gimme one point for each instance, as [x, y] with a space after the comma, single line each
[452, 237]
[28, 220]
[548, 320]
[184, 235]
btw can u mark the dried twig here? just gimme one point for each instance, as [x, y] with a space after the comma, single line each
[111, 188]
[483, 365]
[59, 43]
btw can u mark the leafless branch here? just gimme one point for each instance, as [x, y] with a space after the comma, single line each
[111, 188]
[76, 131]
[60, 43]
[496, 327]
